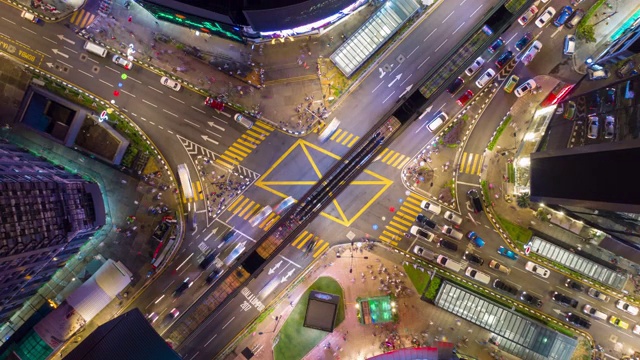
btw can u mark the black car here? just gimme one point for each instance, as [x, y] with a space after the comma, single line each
[573, 285]
[501, 285]
[425, 221]
[577, 320]
[524, 41]
[564, 300]
[214, 275]
[474, 197]
[594, 104]
[204, 264]
[530, 299]
[610, 97]
[448, 245]
[471, 257]
[455, 86]
[496, 45]
[504, 59]
[228, 236]
[184, 286]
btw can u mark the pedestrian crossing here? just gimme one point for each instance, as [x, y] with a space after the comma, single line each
[310, 244]
[402, 220]
[82, 18]
[198, 193]
[471, 163]
[245, 144]
[344, 137]
[393, 158]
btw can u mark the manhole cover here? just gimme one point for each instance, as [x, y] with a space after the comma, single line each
[400, 59]
[95, 69]
[65, 69]
[83, 57]
[386, 67]
[613, 338]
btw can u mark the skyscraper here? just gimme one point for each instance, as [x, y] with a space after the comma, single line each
[46, 215]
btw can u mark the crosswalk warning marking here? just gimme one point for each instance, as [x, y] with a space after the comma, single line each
[339, 139]
[262, 131]
[252, 146]
[384, 151]
[237, 210]
[321, 250]
[397, 162]
[224, 163]
[233, 161]
[302, 234]
[393, 158]
[254, 210]
[335, 134]
[264, 125]
[304, 241]
[271, 216]
[254, 134]
[389, 154]
[346, 140]
[244, 211]
[404, 162]
[237, 151]
[353, 141]
[235, 203]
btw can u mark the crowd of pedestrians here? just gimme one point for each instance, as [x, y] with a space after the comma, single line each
[219, 186]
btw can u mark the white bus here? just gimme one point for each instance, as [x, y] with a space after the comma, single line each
[185, 181]
[329, 130]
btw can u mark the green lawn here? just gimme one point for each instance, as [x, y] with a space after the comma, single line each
[516, 232]
[295, 340]
[418, 278]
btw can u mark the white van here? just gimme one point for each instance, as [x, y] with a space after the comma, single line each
[448, 263]
[95, 49]
[569, 45]
[478, 275]
[593, 312]
[242, 120]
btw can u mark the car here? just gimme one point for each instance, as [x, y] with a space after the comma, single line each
[174, 313]
[564, 300]
[153, 317]
[592, 127]
[597, 72]
[474, 67]
[449, 245]
[475, 239]
[531, 53]
[610, 97]
[537, 269]
[228, 236]
[569, 47]
[182, 287]
[174, 85]
[422, 233]
[619, 322]
[595, 103]
[528, 15]
[462, 100]
[574, 19]
[577, 320]
[625, 306]
[485, 78]
[524, 41]
[501, 285]
[473, 258]
[213, 103]
[454, 218]
[451, 232]
[593, 312]
[576, 2]
[431, 207]
[118, 60]
[598, 295]
[545, 17]
[609, 127]
[530, 299]
[213, 275]
[477, 275]
[31, 17]
[257, 218]
[504, 59]
[420, 251]
[204, 264]
[497, 266]
[626, 69]
[496, 45]
[636, 330]
[507, 253]
[438, 119]
[425, 221]
[284, 205]
[570, 110]
[574, 285]
[474, 198]
[455, 85]
[563, 16]
[525, 88]
[243, 120]
[511, 83]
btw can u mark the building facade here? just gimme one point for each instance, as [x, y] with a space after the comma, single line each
[46, 215]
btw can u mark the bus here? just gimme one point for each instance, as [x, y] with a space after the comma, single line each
[185, 181]
[159, 261]
[329, 130]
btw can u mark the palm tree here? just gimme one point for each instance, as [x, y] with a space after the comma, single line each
[523, 200]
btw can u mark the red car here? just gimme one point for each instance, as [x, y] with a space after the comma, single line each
[462, 100]
[209, 101]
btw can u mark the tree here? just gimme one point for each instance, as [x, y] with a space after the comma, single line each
[523, 200]
[586, 32]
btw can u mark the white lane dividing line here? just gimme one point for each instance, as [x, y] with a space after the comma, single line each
[112, 69]
[64, 63]
[89, 75]
[414, 50]
[217, 118]
[211, 132]
[377, 87]
[508, 41]
[228, 322]
[210, 340]
[31, 31]
[152, 123]
[444, 42]
[473, 13]
[90, 59]
[447, 18]
[46, 38]
[428, 36]
[170, 132]
[73, 51]
[145, 101]
[178, 100]
[458, 28]
[128, 93]
[385, 100]
[7, 20]
[462, 3]
[195, 108]
[104, 82]
[425, 60]
[130, 78]
[152, 88]
[169, 112]
[191, 122]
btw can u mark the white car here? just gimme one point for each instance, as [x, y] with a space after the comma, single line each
[545, 17]
[609, 127]
[257, 218]
[485, 78]
[537, 269]
[415, 230]
[598, 295]
[170, 83]
[152, 317]
[533, 50]
[431, 207]
[636, 329]
[592, 127]
[525, 88]
[625, 306]
[420, 251]
[449, 231]
[474, 67]
[453, 217]
[528, 15]
[118, 60]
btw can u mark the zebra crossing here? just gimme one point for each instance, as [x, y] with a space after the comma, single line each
[245, 144]
[402, 220]
[310, 244]
[393, 158]
[82, 18]
[471, 163]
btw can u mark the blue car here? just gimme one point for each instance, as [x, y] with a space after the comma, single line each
[475, 239]
[507, 253]
[564, 15]
[496, 45]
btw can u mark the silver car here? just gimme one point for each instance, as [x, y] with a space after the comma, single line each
[609, 127]
[592, 127]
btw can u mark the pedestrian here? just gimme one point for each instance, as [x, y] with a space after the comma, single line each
[129, 19]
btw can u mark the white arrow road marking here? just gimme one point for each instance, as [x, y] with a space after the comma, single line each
[395, 79]
[212, 124]
[61, 37]
[49, 65]
[55, 51]
[206, 138]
